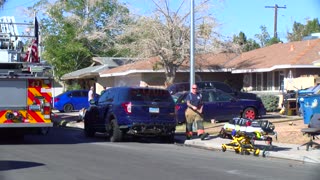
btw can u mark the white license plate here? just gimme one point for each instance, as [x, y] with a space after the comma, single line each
[153, 110]
[34, 107]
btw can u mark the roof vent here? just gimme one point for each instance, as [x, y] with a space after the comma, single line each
[292, 47]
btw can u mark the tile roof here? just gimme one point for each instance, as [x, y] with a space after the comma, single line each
[92, 71]
[297, 54]
[293, 54]
[113, 61]
[85, 72]
[204, 62]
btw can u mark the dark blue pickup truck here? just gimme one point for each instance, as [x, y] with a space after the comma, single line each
[136, 111]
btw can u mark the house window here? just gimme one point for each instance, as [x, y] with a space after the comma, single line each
[259, 81]
[281, 79]
[264, 81]
[254, 82]
[277, 84]
[269, 81]
[278, 80]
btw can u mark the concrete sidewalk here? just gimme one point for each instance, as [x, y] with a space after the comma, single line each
[279, 150]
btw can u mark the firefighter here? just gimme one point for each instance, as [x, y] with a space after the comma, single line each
[194, 113]
[91, 94]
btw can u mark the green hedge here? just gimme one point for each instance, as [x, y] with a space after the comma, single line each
[73, 86]
[270, 102]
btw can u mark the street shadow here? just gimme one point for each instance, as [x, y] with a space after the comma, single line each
[180, 137]
[6, 165]
[56, 135]
[60, 135]
[272, 148]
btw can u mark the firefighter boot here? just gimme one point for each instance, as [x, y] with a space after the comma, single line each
[189, 132]
[202, 135]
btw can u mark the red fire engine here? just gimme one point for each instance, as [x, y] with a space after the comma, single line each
[25, 83]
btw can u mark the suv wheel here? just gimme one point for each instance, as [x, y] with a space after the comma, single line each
[89, 115]
[88, 130]
[168, 138]
[115, 133]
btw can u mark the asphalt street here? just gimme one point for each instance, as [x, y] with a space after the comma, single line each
[279, 150]
[66, 154]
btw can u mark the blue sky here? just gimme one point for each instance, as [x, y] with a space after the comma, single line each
[248, 15]
[233, 15]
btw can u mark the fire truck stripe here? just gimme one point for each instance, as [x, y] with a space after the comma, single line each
[37, 92]
[35, 116]
[2, 113]
[31, 97]
[35, 87]
[2, 116]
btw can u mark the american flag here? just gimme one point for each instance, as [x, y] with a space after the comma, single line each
[32, 53]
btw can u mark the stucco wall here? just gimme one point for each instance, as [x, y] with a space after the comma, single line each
[299, 83]
[158, 79]
[128, 80]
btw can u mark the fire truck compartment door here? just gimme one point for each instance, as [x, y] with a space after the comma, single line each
[13, 93]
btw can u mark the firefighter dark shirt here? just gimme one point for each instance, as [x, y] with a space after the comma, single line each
[195, 99]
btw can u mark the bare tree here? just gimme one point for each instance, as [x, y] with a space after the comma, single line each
[166, 34]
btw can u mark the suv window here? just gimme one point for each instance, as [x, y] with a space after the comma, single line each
[149, 95]
[223, 87]
[75, 94]
[201, 85]
[83, 93]
[222, 96]
[103, 98]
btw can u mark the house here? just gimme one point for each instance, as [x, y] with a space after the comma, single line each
[208, 67]
[274, 69]
[88, 76]
[279, 67]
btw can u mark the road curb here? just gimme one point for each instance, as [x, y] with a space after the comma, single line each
[267, 154]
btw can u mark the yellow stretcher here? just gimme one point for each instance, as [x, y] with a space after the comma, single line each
[242, 143]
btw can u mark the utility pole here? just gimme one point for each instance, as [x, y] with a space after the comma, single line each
[275, 35]
[192, 73]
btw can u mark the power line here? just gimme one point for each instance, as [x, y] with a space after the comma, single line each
[275, 7]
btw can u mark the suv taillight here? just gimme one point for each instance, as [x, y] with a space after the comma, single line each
[177, 107]
[127, 107]
[56, 100]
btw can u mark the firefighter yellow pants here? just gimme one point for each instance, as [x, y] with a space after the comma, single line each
[191, 117]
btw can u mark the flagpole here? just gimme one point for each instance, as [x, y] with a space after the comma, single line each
[29, 53]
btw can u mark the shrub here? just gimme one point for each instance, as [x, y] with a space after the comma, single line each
[73, 86]
[270, 102]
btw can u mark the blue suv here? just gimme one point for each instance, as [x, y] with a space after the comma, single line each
[133, 111]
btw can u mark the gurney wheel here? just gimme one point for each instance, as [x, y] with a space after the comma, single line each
[237, 151]
[241, 151]
[257, 152]
[222, 133]
[224, 148]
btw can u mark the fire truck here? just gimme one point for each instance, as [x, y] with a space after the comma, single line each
[25, 82]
